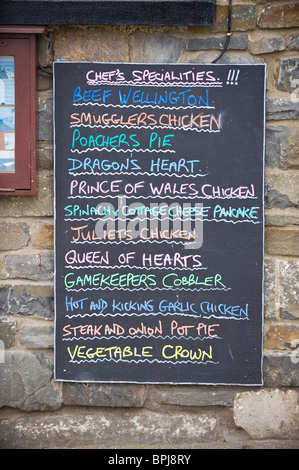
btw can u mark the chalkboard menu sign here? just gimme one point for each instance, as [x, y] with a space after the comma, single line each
[159, 222]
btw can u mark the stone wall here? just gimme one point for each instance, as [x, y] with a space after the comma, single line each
[37, 412]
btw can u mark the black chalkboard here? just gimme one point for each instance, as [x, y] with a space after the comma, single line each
[105, 12]
[159, 176]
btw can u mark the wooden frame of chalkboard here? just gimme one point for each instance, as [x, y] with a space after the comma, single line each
[159, 222]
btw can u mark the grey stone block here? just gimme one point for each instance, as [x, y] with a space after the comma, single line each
[30, 266]
[269, 287]
[37, 336]
[13, 235]
[113, 395]
[26, 382]
[293, 44]
[282, 189]
[282, 147]
[281, 217]
[226, 59]
[194, 396]
[236, 42]
[267, 45]
[273, 413]
[157, 48]
[107, 429]
[289, 289]
[7, 331]
[278, 109]
[31, 206]
[273, 198]
[45, 155]
[281, 369]
[45, 116]
[45, 50]
[281, 15]
[272, 146]
[288, 79]
[31, 300]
